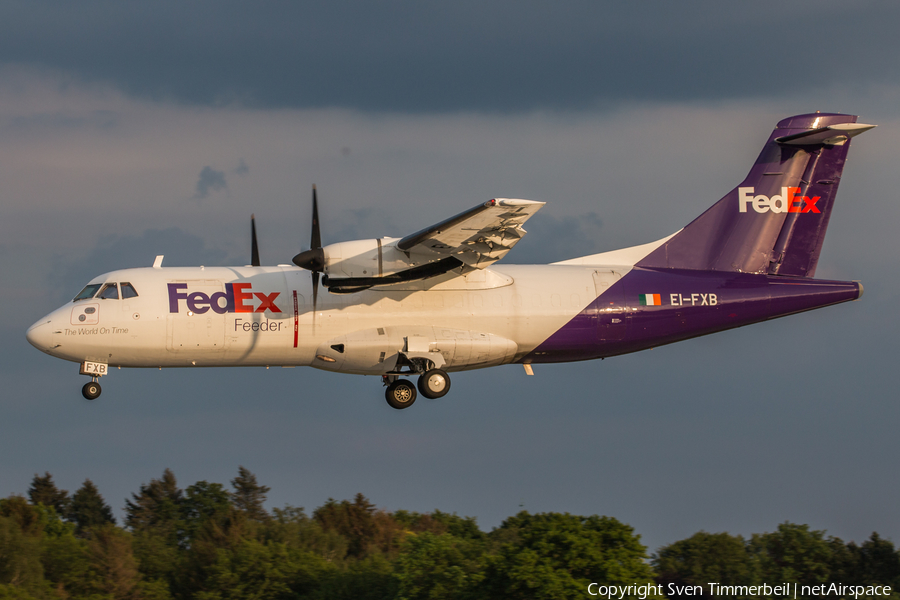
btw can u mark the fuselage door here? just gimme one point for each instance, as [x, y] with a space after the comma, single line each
[195, 331]
[612, 317]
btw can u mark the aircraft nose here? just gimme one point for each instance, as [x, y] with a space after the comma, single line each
[39, 334]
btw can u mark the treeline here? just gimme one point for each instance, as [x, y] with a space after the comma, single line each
[208, 542]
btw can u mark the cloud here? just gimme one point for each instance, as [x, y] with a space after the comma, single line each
[114, 252]
[506, 56]
[241, 169]
[552, 239]
[210, 180]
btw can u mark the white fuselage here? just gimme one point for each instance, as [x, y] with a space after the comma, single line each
[261, 316]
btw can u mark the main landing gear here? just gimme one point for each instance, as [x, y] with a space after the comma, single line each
[434, 383]
[401, 393]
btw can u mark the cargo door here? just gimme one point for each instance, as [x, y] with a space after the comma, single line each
[612, 317]
[195, 332]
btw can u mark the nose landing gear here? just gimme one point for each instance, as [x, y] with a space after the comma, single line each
[91, 390]
[94, 370]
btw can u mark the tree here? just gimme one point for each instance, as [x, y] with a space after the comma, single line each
[792, 554]
[88, 509]
[553, 555]
[436, 567]
[249, 496]
[877, 562]
[371, 578]
[44, 491]
[112, 559]
[439, 522]
[252, 569]
[21, 571]
[205, 504]
[291, 526]
[702, 558]
[353, 520]
[158, 503]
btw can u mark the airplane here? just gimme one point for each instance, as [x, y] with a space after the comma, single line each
[434, 302]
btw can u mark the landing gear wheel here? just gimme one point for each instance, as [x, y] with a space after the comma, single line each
[400, 394]
[434, 383]
[91, 390]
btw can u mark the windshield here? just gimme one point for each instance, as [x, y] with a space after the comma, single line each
[128, 290]
[109, 292]
[88, 292]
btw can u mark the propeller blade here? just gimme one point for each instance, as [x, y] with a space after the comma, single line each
[254, 247]
[316, 239]
[315, 286]
[314, 258]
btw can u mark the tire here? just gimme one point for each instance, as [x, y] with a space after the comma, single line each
[91, 390]
[434, 384]
[400, 394]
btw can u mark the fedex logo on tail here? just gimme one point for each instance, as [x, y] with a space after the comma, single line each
[789, 201]
[238, 299]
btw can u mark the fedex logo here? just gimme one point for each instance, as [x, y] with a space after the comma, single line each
[238, 299]
[789, 201]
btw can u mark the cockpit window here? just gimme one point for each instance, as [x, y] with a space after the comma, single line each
[110, 291]
[128, 290]
[88, 292]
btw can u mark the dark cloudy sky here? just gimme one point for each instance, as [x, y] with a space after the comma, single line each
[129, 130]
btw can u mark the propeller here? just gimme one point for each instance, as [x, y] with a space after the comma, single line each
[314, 258]
[254, 247]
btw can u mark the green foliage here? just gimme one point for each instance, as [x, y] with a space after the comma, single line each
[67, 564]
[877, 562]
[88, 509]
[553, 555]
[112, 562]
[792, 554]
[203, 503]
[366, 529]
[292, 527]
[439, 522]
[157, 505]
[249, 496]
[371, 578]
[705, 557]
[206, 543]
[436, 567]
[21, 570]
[11, 592]
[253, 570]
[44, 491]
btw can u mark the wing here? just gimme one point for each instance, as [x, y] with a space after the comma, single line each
[471, 240]
[477, 237]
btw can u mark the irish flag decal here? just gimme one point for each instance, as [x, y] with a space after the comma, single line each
[650, 300]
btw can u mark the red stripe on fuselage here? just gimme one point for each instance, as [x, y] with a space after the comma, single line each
[296, 320]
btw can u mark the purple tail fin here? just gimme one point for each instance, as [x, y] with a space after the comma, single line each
[775, 221]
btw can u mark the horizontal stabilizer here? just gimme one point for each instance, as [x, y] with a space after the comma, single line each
[831, 135]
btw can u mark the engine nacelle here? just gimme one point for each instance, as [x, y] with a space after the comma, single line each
[384, 350]
[365, 258]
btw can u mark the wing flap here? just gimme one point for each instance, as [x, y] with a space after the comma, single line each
[478, 237]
